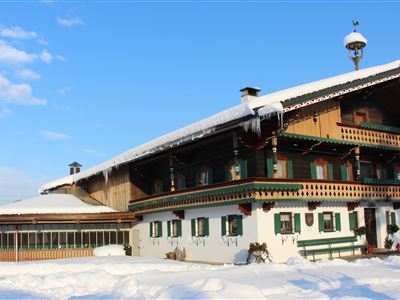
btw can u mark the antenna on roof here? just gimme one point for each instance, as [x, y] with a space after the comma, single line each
[355, 43]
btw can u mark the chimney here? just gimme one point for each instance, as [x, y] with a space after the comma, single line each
[249, 93]
[74, 168]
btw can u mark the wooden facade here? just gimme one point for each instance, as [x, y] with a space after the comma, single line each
[43, 254]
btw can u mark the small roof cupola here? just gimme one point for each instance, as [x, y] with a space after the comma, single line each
[249, 93]
[74, 168]
[355, 42]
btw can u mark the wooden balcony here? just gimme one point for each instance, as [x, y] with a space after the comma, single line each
[370, 134]
[267, 191]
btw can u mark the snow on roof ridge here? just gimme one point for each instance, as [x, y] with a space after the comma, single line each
[52, 203]
[208, 125]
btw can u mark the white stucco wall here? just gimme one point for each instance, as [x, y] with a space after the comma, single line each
[213, 248]
[259, 227]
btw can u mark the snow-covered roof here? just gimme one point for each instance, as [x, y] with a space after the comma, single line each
[52, 204]
[266, 105]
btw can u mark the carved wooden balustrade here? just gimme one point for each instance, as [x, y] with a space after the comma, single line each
[265, 190]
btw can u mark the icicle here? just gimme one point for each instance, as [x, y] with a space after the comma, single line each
[106, 173]
[252, 125]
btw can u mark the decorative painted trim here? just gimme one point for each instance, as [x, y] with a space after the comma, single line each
[339, 90]
[380, 127]
[335, 141]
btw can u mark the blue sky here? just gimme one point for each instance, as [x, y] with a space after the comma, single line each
[86, 81]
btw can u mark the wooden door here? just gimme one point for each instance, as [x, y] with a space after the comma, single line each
[135, 242]
[370, 225]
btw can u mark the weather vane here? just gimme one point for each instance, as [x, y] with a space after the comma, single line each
[355, 43]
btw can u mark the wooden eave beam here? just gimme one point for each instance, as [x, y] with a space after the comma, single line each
[267, 206]
[67, 218]
[179, 213]
[245, 208]
[312, 205]
[352, 205]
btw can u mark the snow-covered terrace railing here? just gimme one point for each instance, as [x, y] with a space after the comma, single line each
[264, 105]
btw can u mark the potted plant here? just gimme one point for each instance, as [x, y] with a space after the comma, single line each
[388, 243]
[392, 229]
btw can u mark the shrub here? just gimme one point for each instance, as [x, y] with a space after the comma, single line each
[258, 253]
[360, 231]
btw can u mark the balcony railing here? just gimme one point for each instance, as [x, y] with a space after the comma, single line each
[266, 191]
[369, 134]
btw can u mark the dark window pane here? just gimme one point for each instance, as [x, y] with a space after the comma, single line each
[106, 238]
[86, 239]
[78, 239]
[100, 239]
[39, 241]
[126, 237]
[70, 239]
[120, 239]
[113, 237]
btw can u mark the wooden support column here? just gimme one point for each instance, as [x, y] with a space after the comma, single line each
[236, 156]
[358, 167]
[275, 155]
[171, 171]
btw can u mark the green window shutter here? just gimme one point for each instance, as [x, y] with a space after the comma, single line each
[352, 221]
[159, 224]
[179, 227]
[337, 221]
[330, 172]
[243, 169]
[151, 229]
[313, 170]
[289, 169]
[270, 168]
[223, 225]
[343, 172]
[210, 176]
[169, 228]
[297, 224]
[239, 220]
[393, 215]
[321, 222]
[206, 227]
[227, 173]
[193, 227]
[277, 219]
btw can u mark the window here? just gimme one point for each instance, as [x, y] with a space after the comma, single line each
[360, 116]
[203, 176]
[390, 218]
[157, 186]
[281, 168]
[232, 225]
[286, 223]
[321, 170]
[328, 221]
[174, 228]
[180, 181]
[366, 169]
[156, 229]
[347, 171]
[236, 171]
[200, 227]
[378, 171]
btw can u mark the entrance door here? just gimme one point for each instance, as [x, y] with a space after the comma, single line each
[370, 225]
[135, 243]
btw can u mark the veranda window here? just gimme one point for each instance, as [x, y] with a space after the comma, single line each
[321, 170]
[155, 229]
[286, 223]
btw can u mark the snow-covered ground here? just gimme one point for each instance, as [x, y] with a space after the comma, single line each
[117, 277]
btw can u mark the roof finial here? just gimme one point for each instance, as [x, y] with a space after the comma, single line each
[355, 24]
[355, 43]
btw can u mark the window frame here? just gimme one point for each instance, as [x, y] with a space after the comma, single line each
[284, 162]
[331, 214]
[360, 112]
[199, 180]
[324, 164]
[232, 220]
[290, 231]
[197, 227]
[155, 229]
[157, 183]
[174, 232]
